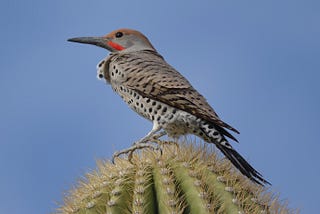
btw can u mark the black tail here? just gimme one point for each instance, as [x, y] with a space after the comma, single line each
[240, 163]
[236, 159]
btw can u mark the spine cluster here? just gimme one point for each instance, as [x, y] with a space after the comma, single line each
[180, 179]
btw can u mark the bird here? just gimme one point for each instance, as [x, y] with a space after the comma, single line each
[158, 92]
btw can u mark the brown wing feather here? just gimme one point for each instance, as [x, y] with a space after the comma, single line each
[152, 77]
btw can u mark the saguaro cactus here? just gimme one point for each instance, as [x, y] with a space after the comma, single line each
[178, 179]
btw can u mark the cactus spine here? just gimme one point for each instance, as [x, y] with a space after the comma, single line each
[180, 179]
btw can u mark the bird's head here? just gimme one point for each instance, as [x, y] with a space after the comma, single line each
[118, 40]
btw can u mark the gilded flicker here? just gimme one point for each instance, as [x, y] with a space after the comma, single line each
[159, 93]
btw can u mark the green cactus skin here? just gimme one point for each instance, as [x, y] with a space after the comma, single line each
[181, 179]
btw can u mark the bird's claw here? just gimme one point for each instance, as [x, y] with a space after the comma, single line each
[141, 144]
[134, 147]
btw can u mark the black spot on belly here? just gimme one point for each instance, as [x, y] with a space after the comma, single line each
[164, 109]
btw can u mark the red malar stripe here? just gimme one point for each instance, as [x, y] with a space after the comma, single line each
[115, 46]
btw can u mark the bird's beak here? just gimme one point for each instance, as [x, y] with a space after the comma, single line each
[98, 41]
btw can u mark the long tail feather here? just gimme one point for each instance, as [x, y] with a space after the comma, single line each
[240, 163]
[236, 159]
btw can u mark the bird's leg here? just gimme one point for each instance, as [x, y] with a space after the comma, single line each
[132, 148]
[142, 143]
[150, 135]
[155, 138]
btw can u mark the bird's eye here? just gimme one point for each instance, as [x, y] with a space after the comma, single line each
[119, 34]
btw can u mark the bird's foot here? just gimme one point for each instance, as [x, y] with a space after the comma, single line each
[136, 146]
[141, 144]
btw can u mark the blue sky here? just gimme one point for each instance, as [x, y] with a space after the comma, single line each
[257, 63]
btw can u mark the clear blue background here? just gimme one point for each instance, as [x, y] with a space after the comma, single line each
[257, 63]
